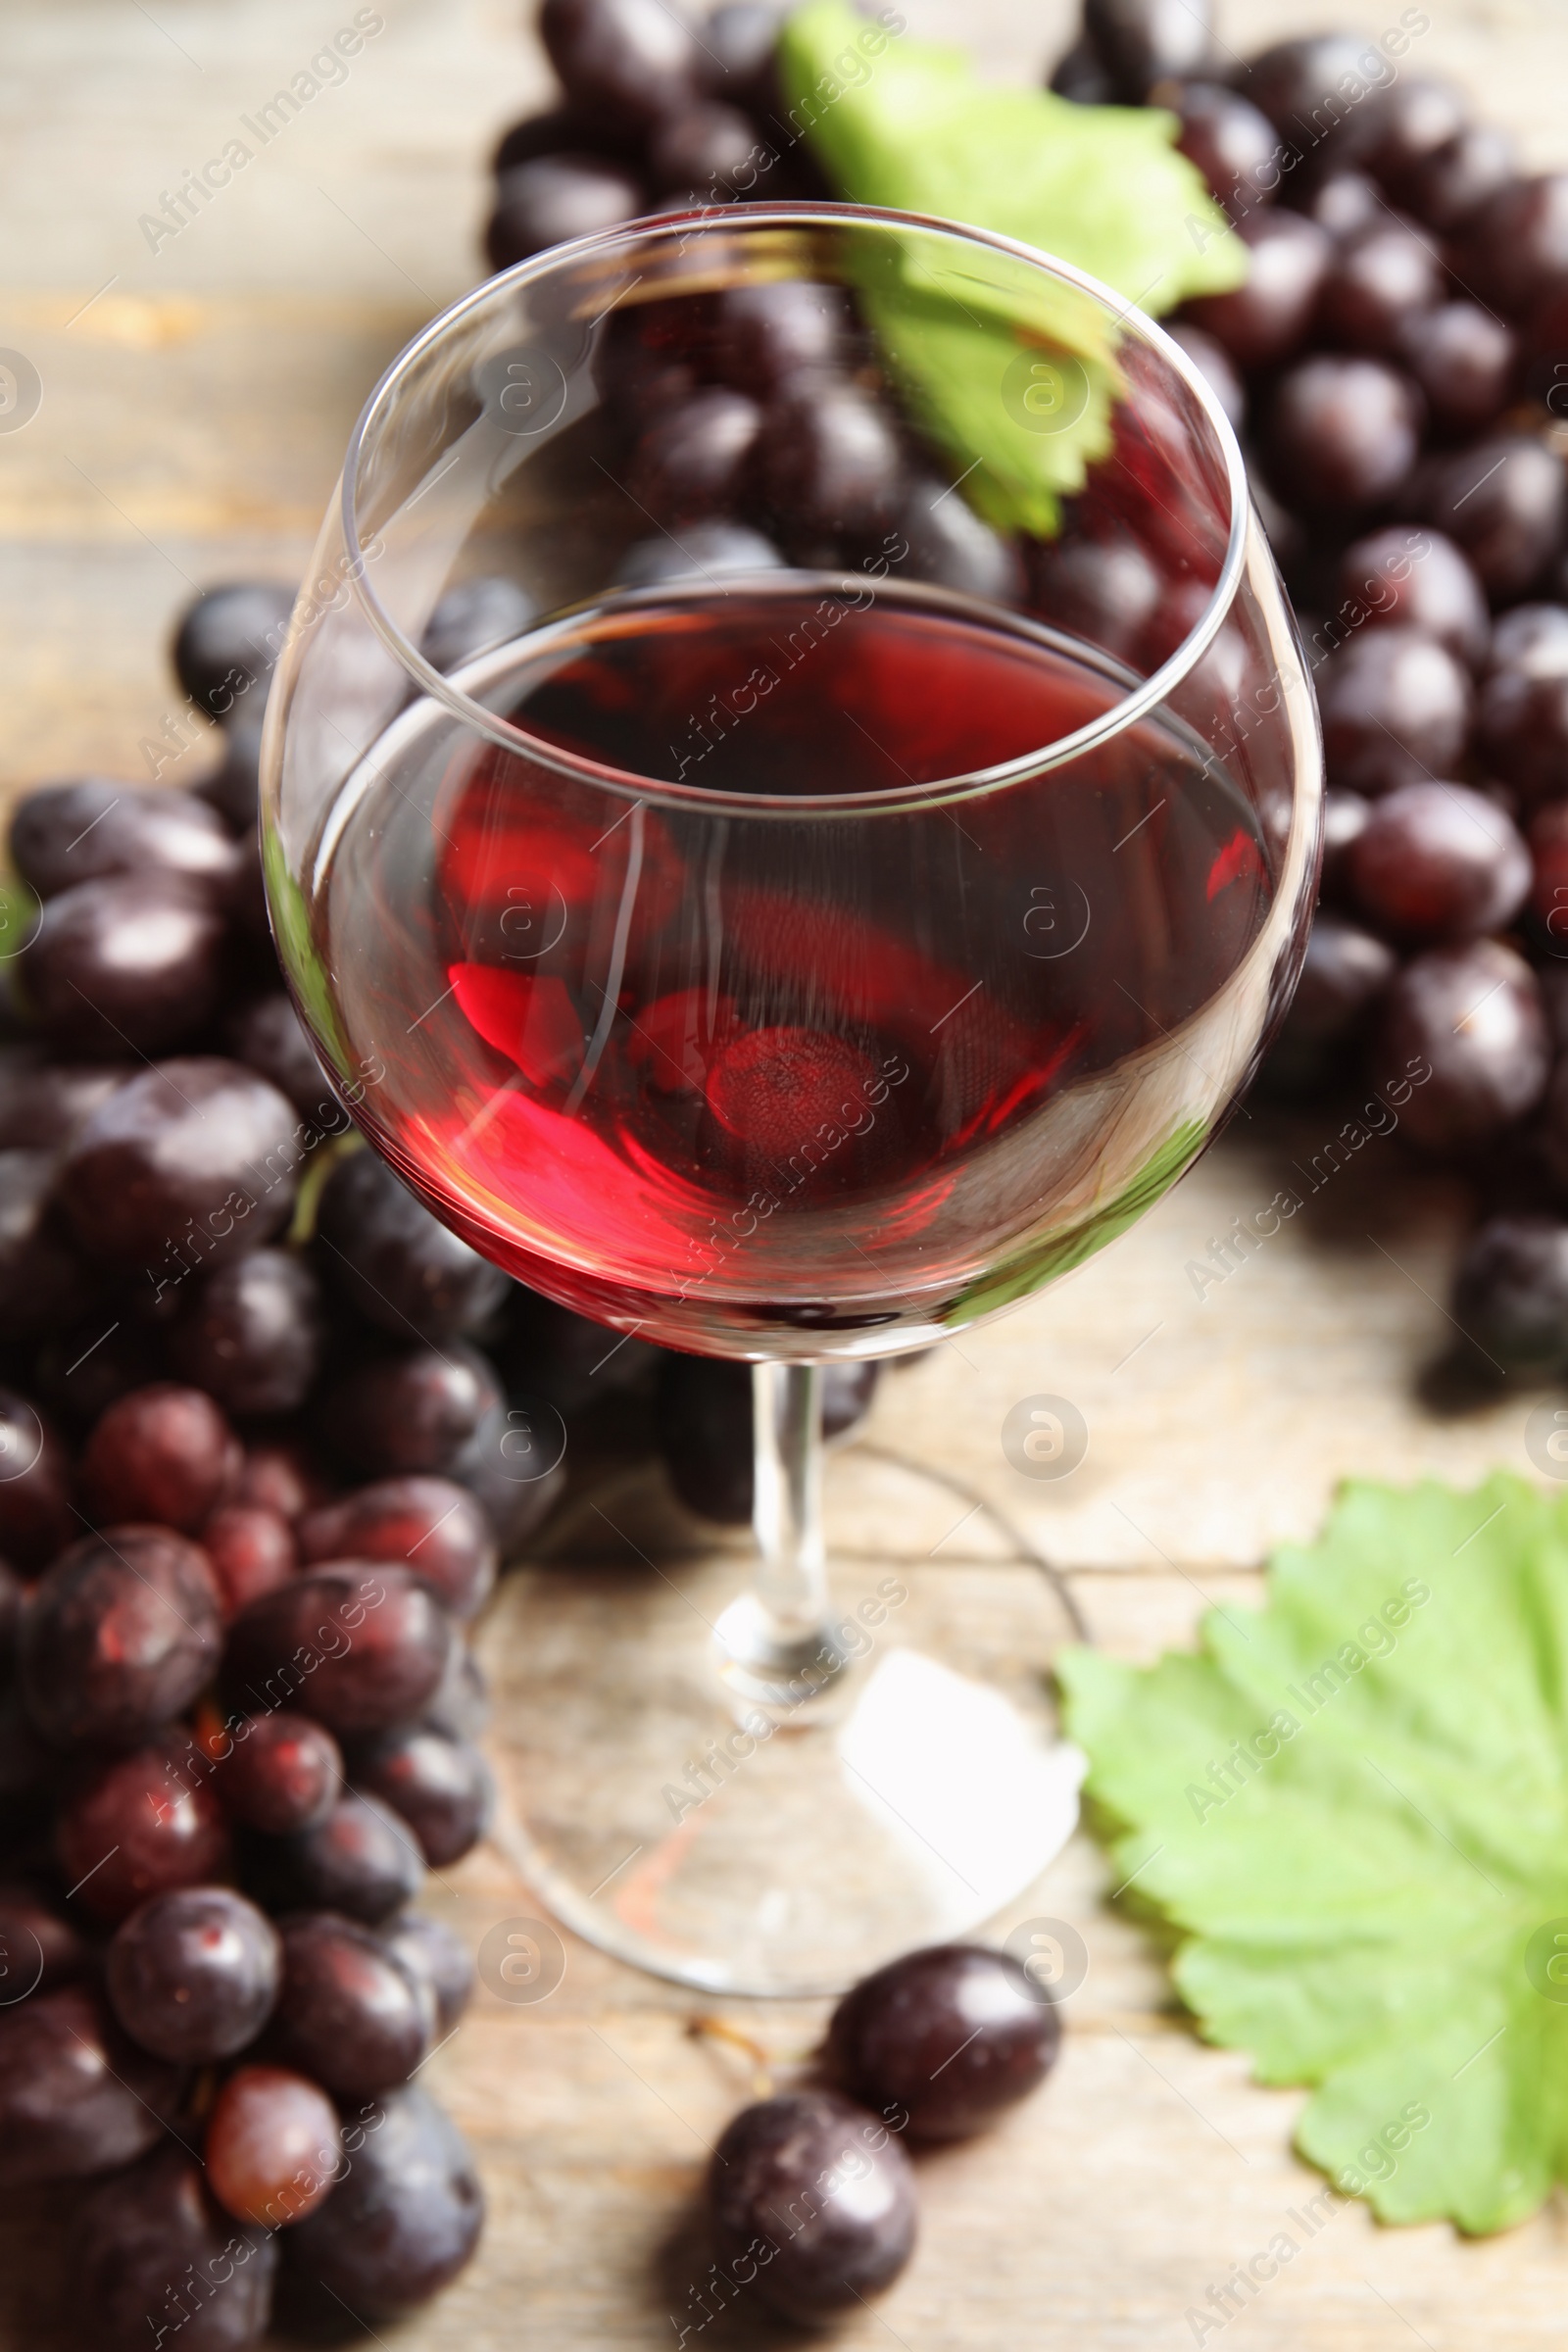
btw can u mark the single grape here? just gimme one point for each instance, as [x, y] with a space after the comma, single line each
[1505, 503]
[1510, 1294]
[163, 1454]
[438, 1959]
[441, 1788]
[946, 541]
[349, 2015]
[63, 834]
[1341, 433]
[396, 1264]
[42, 1102]
[132, 962]
[1450, 189]
[1233, 145]
[274, 2148]
[411, 1412]
[192, 1975]
[153, 2254]
[227, 643]
[1437, 862]
[1532, 639]
[360, 1859]
[42, 1284]
[764, 334]
[700, 551]
[823, 2187]
[139, 1825]
[277, 1476]
[555, 197]
[234, 787]
[278, 1773]
[1516, 248]
[1379, 283]
[1416, 120]
[36, 1518]
[1106, 591]
[940, 2042]
[831, 463]
[121, 1634]
[738, 42]
[1466, 1026]
[359, 1648]
[1078, 74]
[1216, 364]
[565, 130]
[502, 1467]
[1418, 579]
[428, 1524]
[1144, 41]
[75, 2098]
[1267, 318]
[711, 151]
[251, 1333]
[693, 460]
[1522, 716]
[1464, 359]
[402, 2223]
[265, 1035]
[624, 61]
[39, 1949]
[475, 615]
[1395, 708]
[186, 1165]
[570, 1362]
[1345, 972]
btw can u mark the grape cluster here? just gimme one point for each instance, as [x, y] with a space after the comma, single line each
[266, 1427]
[812, 2196]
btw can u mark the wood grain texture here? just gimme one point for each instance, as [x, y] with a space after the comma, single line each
[196, 402]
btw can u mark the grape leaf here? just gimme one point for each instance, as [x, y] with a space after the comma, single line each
[1007, 372]
[1355, 1804]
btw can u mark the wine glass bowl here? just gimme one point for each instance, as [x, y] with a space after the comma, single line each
[790, 811]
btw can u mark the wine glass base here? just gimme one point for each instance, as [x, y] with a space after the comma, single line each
[742, 1849]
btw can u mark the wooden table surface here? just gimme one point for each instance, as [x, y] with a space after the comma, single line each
[195, 401]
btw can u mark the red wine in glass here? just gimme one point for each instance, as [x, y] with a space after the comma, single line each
[721, 1075]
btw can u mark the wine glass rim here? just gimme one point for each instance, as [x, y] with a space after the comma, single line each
[1135, 705]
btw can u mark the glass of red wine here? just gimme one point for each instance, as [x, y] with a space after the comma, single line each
[791, 811]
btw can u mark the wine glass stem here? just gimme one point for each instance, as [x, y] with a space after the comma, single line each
[791, 1587]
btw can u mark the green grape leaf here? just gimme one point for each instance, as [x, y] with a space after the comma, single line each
[1009, 374]
[1353, 1805]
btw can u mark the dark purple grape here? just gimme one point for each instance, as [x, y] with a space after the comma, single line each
[280, 1476]
[1450, 189]
[360, 1647]
[192, 1976]
[764, 334]
[42, 1102]
[413, 1411]
[1078, 74]
[1214, 362]
[65, 834]
[39, 1949]
[273, 2149]
[942, 2040]
[566, 131]
[189, 1165]
[711, 151]
[278, 1773]
[1267, 318]
[1532, 639]
[1516, 248]
[121, 1634]
[251, 1551]
[567, 1361]
[703, 1424]
[737, 45]
[1503, 501]
[360, 1859]
[402, 2223]
[1378, 284]
[831, 464]
[74, 2098]
[265, 1035]
[1437, 861]
[152, 2254]
[1233, 145]
[36, 1519]
[1321, 92]
[395, 1263]
[471, 617]
[441, 1788]
[701, 549]
[1139, 42]
[556, 197]
[426, 1524]
[134, 963]
[139, 1825]
[42, 1284]
[1105, 591]
[1415, 118]
[946, 541]
[164, 1454]
[624, 61]
[1342, 205]
[1342, 435]
[86, 1367]
[1464, 361]
[1416, 580]
[692, 462]
[227, 643]
[506, 1469]
[823, 2187]
[1345, 972]
[234, 787]
[1395, 708]
[1471, 1016]
[438, 1959]
[251, 1333]
[1522, 730]
[349, 2015]
[1510, 1294]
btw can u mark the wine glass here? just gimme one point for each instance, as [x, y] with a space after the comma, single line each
[793, 771]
